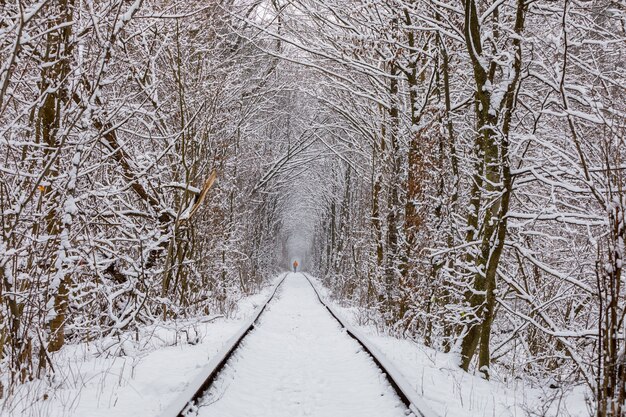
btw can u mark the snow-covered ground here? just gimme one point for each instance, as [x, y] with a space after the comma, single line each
[299, 362]
[109, 378]
[455, 393]
[452, 392]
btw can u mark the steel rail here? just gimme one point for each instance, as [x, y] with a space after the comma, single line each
[405, 391]
[196, 389]
[202, 382]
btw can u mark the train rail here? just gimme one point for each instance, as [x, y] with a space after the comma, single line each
[199, 385]
[399, 383]
[185, 403]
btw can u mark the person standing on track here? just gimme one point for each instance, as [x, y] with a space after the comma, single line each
[295, 266]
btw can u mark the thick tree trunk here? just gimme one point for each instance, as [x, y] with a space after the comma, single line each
[492, 163]
[54, 87]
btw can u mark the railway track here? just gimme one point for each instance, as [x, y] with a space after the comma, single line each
[186, 402]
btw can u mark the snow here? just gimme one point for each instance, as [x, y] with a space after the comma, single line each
[437, 377]
[418, 406]
[451, 392]
[125, 378]
[127, 16]
[183, 403]
[298, 361]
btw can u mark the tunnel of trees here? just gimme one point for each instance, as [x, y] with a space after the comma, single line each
[453, 169]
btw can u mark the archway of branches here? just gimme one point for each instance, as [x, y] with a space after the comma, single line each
[430, 163]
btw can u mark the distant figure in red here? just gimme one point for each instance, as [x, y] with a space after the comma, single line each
[295, 266]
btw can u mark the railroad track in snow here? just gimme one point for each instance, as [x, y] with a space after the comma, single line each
[201, 384]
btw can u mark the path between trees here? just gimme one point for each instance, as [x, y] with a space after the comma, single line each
[298, 361]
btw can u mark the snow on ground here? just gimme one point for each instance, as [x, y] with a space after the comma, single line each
[124, 380]
[299, 362]
[454, 393]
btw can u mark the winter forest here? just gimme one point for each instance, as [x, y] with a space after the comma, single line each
[449, 172]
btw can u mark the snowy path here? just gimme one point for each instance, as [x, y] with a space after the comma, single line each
[299, 362]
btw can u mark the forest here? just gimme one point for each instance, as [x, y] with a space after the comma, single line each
[451, 171]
